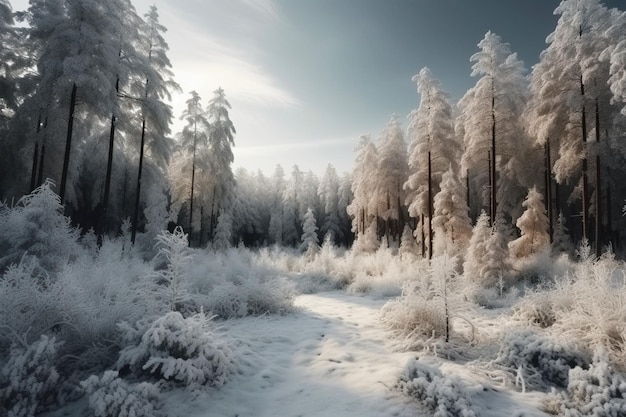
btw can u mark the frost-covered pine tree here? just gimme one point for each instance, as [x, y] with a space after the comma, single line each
[433, 147]
[451, 222]
[391, 174]
[477, 249]
[492, 129]
[275, 228]
[561, 241]
[408, 245]
[291, 222]
[329, 200]
[192, 157]
[495, 269]
[310, 241]
[220, 174]
[363, 175]
[223, 232]
[533, 225]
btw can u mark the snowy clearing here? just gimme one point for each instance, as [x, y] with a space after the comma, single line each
[332, 357]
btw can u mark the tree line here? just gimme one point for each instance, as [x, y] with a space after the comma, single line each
[87, 107]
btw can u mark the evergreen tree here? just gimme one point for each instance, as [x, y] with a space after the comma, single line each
[221, 141]
[477, 249]
[453, 227]
[329, 198]
[310, 241]
[363, 183]
[391, 173]
[223, 232]
[191, 159]
[533, 225]
[491, 125]
[433, 146]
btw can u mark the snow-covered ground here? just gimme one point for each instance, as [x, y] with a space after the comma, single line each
[332, 357]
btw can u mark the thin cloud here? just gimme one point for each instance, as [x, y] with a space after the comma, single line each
[221, 50]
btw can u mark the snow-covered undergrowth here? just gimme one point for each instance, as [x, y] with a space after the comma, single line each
[446, 396]
[382, 273]
[595, 392]
[62, 298]
[179, 349]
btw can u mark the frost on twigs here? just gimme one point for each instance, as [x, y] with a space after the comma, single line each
[538, 362]
[29, 380]
[184, 350]
[599, 391]
[171, 280]
[443, 395]
[111, 396]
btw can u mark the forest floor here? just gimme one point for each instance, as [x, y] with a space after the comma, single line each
[332, 357]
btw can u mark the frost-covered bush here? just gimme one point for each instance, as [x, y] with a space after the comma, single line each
[184, 350]
[171, 278]
[111, 396]
[237, 283]
[444, 395]
[599, 391]
[587, 305]
[29, 381]
[539, 362]
[422, 312]
[36, 226]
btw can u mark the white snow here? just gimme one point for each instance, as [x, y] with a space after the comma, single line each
[332, 357]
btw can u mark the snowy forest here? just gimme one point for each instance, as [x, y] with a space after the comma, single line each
[480, 245]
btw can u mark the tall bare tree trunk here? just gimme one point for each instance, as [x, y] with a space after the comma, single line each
[68, 144]
[585, 180]
[430, 207]
[492, 170]
[33, 173]
[138, 188]
[548, 186]
[598, 231]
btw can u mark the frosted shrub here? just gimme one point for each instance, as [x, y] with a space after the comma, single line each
[539, 362]
[445, 396]
[184, 350]
[423, 309]
[171, 279]
[111, 396]
[599, 391]
[236, 283]
[29, 381]
[36, 226]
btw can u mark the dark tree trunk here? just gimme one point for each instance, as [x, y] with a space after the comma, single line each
[33, 173]
[492, 170]
[430, 208]
[68, 144]
[107, 183]
[598, 232]
[423, 237]
[137, 196]
[585, 180]
[41, 159]
[491, 187]
[548, 187]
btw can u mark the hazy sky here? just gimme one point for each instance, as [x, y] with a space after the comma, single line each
[307, 78]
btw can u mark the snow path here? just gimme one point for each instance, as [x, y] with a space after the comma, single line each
[332, 357]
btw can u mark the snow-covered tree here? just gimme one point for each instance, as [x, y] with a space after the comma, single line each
[329, 200]
[391, 174]
[291, 222]
[310, 241]
[533, 225]
[433, 148]
[561, 241]
[451, 222]
[275, 228]
[477, 249]
[491, 125]
[363, 175]
[156, 114]
[569, 92]
[191, 157]
[223, 232]
[221, 141]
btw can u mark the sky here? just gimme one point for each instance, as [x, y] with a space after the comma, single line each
[307, 78]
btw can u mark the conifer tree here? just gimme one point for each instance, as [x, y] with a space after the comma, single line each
[310, 241]
[533, 225]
